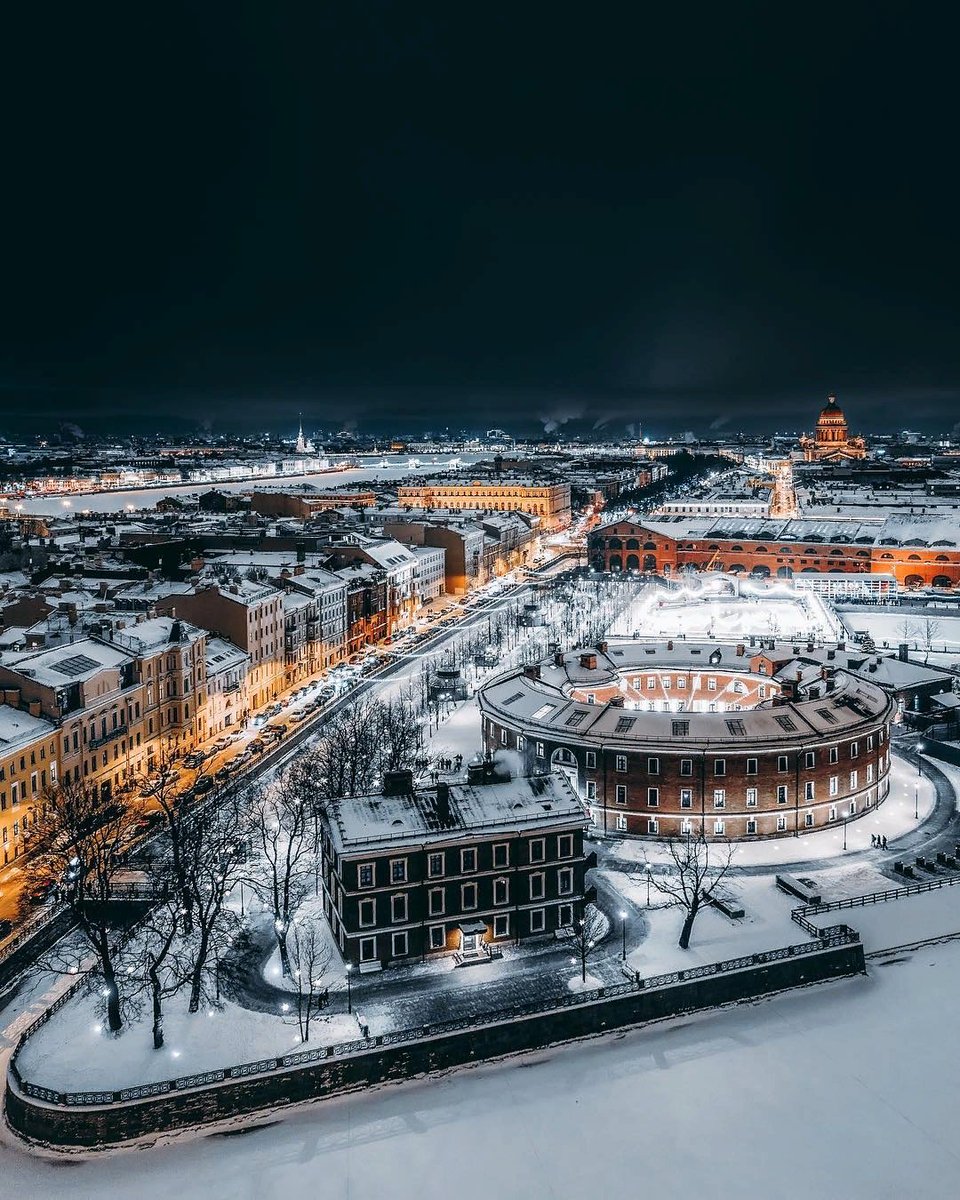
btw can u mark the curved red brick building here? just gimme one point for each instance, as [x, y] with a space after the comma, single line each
[662, 740]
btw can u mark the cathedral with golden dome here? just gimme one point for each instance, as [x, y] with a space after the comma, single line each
[832, 441]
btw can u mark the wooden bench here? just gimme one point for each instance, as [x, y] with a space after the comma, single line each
[803, 889]
[368, 968]
[729, 908]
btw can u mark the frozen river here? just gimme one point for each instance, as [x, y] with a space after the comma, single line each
[148, 497]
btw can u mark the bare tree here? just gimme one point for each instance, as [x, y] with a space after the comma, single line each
[399, 733]
[586, 934]
[698, 871]
[279, 823]
[929, 629]
[310, 955]
[347, 757]
[79, 840]
[214, 868]
[160, 959]
[907, 630]
[163, 786]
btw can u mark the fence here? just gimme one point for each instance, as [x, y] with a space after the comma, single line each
[29, 931]
[800, 914]
[105, 1116]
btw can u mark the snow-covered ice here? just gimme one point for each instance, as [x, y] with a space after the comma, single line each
[841, 1090]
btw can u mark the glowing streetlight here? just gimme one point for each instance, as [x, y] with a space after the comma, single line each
[623, 934]
[349, 993]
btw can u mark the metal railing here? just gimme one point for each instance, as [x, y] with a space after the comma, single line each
[828, 939]
[30, 930]
[800, 914]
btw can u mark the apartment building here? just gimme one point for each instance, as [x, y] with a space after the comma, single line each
[28, 765]
[548, 500]
[249, 614]
[227, 699]
[91, 690]
[452, 868]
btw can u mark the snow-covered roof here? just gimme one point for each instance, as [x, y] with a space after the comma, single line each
[69, 663]
[360, 824]
[19, 728]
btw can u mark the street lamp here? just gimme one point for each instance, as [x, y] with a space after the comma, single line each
[623, 934]
[648, 885]
[349, 994]
[916, 800]
[919, 759]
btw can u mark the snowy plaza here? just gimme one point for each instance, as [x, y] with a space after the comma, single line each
[728, 609]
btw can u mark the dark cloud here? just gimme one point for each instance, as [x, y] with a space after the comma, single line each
[480, 216]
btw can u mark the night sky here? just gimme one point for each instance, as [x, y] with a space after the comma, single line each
[409, 216]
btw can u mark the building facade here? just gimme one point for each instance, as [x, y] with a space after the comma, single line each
[917, 551]
[451, 869]
[832, 442]
[719, 748]
[549, 501]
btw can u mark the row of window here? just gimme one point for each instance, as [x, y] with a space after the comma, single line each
[752, 793]
[437, 934]
[437, 898]
[719, 824]
[719, 764]
[436, 861]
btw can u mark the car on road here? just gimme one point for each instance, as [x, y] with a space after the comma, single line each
[256, 747]
[203, 785]
[6, 928]
[42, 892]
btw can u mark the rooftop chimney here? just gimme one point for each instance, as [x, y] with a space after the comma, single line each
[903, 651]
[397, 783]
[532, 670]
[741, 649]
[443, 803]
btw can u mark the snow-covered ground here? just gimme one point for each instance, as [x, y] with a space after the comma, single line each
[840, 1091]
[73, 1051]
[901, 922]
[891, 627]
[765, 925]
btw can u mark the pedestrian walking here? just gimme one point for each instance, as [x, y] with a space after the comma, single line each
[884, 841]
[873, 839]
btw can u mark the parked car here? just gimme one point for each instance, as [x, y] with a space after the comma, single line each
[255, 747]
[42, 892]
[6, 928]
[202, 786]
